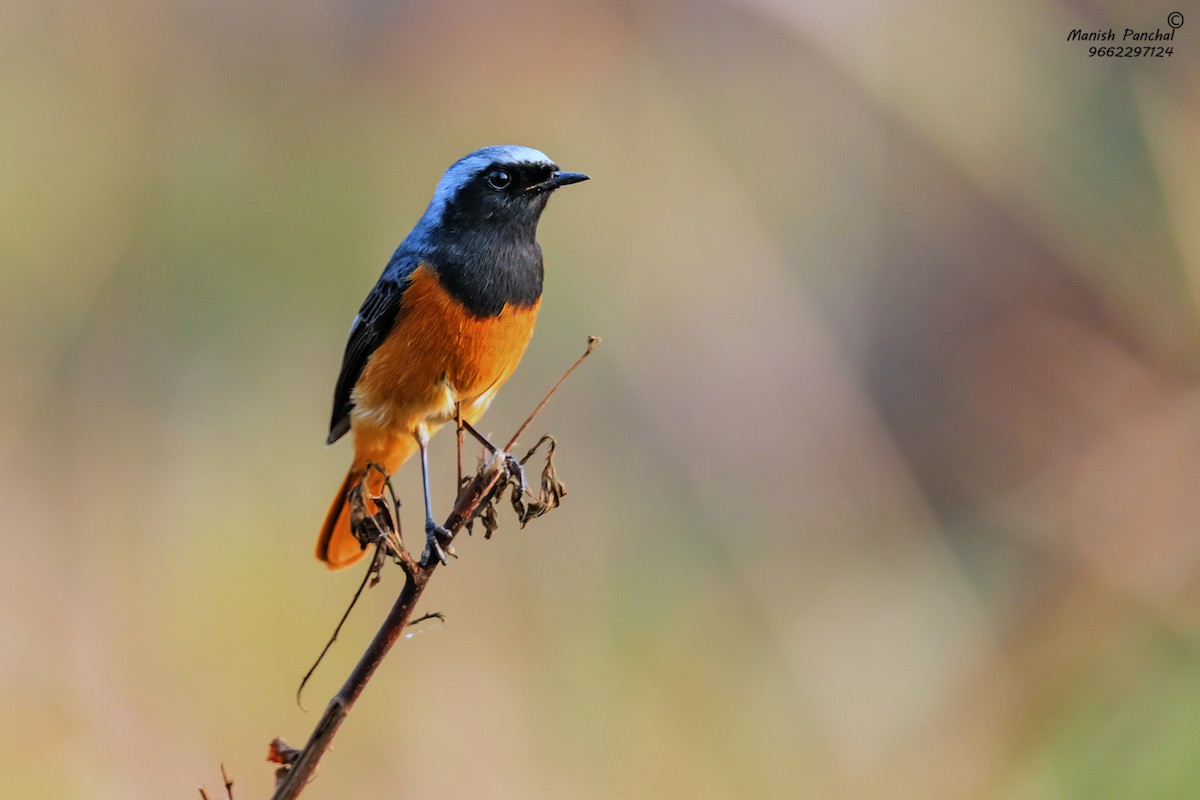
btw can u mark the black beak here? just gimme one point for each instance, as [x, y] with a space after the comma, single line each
[556, 180]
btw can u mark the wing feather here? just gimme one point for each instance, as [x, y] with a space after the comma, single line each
[371, 326]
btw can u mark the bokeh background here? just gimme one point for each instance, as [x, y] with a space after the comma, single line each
[884, 482]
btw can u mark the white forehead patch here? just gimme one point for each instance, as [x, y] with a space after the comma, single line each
[469, 166]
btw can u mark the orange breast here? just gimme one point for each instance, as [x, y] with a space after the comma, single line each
[439, 354]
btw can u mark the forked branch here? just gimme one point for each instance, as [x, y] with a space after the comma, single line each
[297, 767]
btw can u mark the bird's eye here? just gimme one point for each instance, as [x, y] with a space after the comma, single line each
[498, 179]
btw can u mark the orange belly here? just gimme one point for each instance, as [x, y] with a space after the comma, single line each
[438, 354]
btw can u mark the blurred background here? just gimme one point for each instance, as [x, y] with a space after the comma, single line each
[882, 484]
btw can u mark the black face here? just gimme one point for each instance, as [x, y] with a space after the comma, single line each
[504, 194]
[518, 179]
[483, 244]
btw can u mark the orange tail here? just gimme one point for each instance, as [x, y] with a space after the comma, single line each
[336, 544]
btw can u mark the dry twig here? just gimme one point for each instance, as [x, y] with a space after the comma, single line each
[228, 786]
[477, 495]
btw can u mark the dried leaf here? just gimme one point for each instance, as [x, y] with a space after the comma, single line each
[381, 526]
[551, 491]
[487, 515]
[280, 752]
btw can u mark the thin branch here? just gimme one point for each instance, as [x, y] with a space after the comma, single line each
[228, 781]
[385, 523]
[416, 578]
[297, 767]
[591, 345]
[373, 569]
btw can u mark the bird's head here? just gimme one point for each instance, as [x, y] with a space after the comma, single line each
[505, 187]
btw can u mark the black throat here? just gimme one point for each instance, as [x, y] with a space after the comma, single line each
[486, 266]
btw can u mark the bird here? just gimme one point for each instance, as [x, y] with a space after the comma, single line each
[443, 328]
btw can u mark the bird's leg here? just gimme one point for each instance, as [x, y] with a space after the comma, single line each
[510, 461]
[435, 534]
[458, 424]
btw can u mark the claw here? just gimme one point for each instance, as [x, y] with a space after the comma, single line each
[435, 535]
[511, 464]
[514, 468]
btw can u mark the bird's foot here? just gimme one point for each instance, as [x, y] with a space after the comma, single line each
[514, 469]
[511, 464]
[437, 544]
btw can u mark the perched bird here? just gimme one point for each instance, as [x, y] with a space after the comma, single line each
[444, 327]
